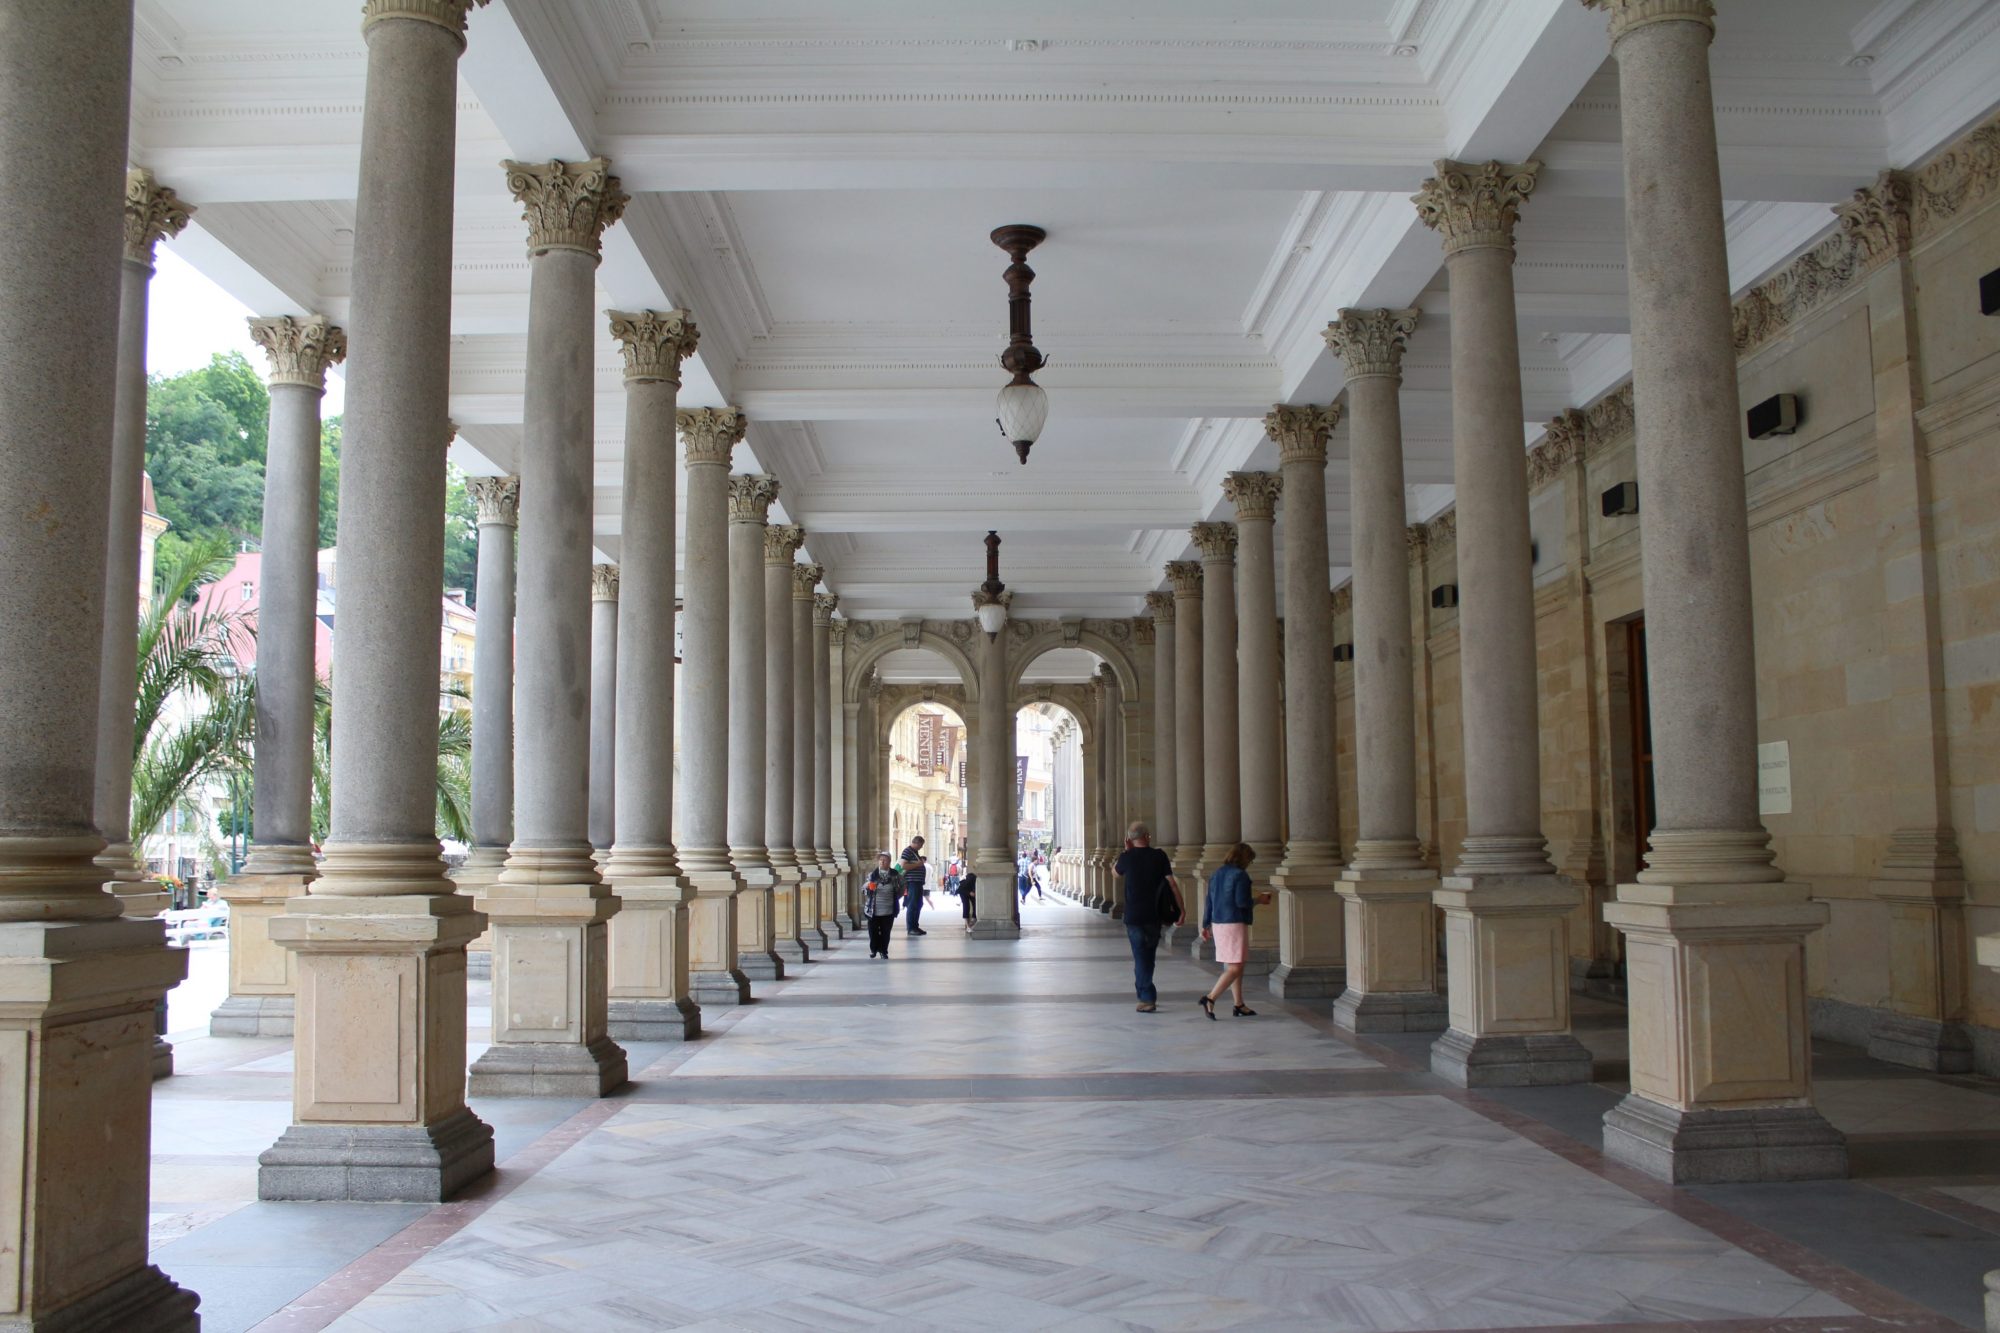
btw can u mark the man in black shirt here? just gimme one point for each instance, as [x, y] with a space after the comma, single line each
[1152, 901]
[914, 869]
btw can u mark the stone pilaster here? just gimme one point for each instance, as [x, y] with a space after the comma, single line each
[1391, 925]
[650, 985]
[549, 911]
[708, 437]
[497, 502]
[1311, 944]
[262, 977]
[750, 499]
[811, 873]
[1185, 577]
[1110, 834]
[1222, 796]
[832, 869]
[994, 832]
[603, 817]
[1506, 910]
[378, 1098]
[1714, 934]
[1259, 712]
[1166, 814]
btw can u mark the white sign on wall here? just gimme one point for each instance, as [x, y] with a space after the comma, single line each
[1774, 778]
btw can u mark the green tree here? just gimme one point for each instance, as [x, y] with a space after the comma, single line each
[206, 432]
[329, 482]
[461, 537]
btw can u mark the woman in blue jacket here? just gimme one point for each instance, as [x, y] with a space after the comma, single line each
[1225, 918]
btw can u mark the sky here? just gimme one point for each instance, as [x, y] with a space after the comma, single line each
[189, 319]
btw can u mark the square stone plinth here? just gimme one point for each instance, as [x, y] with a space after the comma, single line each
[650, 982]
[1391, 936]
[377, 1163]
[551, 977]
[1709, 1147]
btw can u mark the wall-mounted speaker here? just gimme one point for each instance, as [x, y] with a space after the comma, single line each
[1989, 293]
[1343, 652]
[1621, 499]
[1444, 596]
[1776, 415]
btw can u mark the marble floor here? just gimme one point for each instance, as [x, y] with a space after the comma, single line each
[986, 1135]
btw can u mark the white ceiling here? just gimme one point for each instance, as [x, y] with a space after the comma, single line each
[815, 179]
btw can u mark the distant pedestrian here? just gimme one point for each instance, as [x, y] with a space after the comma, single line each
[1152, 900]
[885, 886]
[913, 883]
[1225, 917]
[968, 900]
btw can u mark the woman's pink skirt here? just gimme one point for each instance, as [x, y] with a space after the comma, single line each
[1232, 942]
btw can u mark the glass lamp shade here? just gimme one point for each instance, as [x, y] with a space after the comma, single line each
[992, 617]
[1024, 408]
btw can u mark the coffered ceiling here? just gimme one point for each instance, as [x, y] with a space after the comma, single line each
[816, 179]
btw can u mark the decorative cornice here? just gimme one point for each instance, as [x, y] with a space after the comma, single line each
[824, 605]
[498, 499]
[1577, 434]
[1341, 599]
[1475, 205]
[1301, 432]
[981, 597]
[447, 14]
[655, 342]
[836, 633]
[1371, 342]
[750, 496]
[782, 540]
[1442, 530]
[1874, 228]
[1216, 540]
[1415, 538]
[804, 578]
[1630, 15]
[604, 583]
[1185, 575]
[709, 434]
[1160, 605]
[152, 211]
[1965, 173]
[1255, 495]
[1142, 631]
[300, 352]
[567, 205]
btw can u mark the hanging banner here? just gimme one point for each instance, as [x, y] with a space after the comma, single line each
[1020, 783]
[927, 739]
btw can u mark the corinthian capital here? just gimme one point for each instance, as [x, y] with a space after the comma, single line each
[1474, 205]
[655, 342]
[151, 212]
[604, 583]
[1301, 432]
[710, 434]
[1370, 342]
[782, 540]
[750, 496]
[446, 14]
[824, 605]
[1216, 540]
[300, 351]
[1255, 495]
[1876, 219]
[1160, 606]
[803, 579]
[1627, 15]
[567, 205]
[1185, 575]
[498, 499]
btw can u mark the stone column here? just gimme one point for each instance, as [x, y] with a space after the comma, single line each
[1166, 815]
[709, 435]
[262, 978]
[82, 985]
[994, 832]
[1714, 934]
[1222, 800]
[1190, 801]
[603, 818]
[152, 211]
[498, 501]
[1255, 495]
[378, 1099]
[832, 872]
[1312, 954]
[812, 874]
[649, 969]
[867, 779]
[1391, 924]
[781, 545]
[549, 911]
[1506, 910]
[750, 500]
[1105, 832]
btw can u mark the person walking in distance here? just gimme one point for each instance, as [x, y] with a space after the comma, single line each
[885, 886]
[913, 883]
[1225, 918]
[1152, 901]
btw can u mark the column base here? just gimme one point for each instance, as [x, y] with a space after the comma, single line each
[1289, 982]
[1004, 929]
[1921, 1043]
[797, 951]
[126, 877]
[376, 1163]
[549, 1069]
[1389, 1011]
[1713, 1147]
[761, 966]
[719, 990]
[1260, 961]
[1510, 1060]
[655, 1020]
[145, 1301]
[1312, 935]
[253, 1016]
[162, 1059]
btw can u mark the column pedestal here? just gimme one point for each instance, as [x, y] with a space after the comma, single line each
[756, 910]
[1312, 962]
[650, 984]
[715, 980]
[788, 894]
[263, 978]
[1926, 977]
[1391, 952]
[378, 1092]
[1507, 947]
[1721, 1060]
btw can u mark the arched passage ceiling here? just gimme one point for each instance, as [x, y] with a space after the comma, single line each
[816, 181]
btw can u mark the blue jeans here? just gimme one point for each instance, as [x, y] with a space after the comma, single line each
[1145, 943]
[916, 905]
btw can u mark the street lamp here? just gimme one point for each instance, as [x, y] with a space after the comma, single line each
[989, 600]
[1023, 407]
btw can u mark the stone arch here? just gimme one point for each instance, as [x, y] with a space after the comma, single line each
[1116, 641]
[868, 641]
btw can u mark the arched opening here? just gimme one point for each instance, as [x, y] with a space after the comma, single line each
[1070, 706]
[924, 750]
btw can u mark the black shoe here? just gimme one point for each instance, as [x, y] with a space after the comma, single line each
[1242, 1012]
[920, 932]
[1208, 1007]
